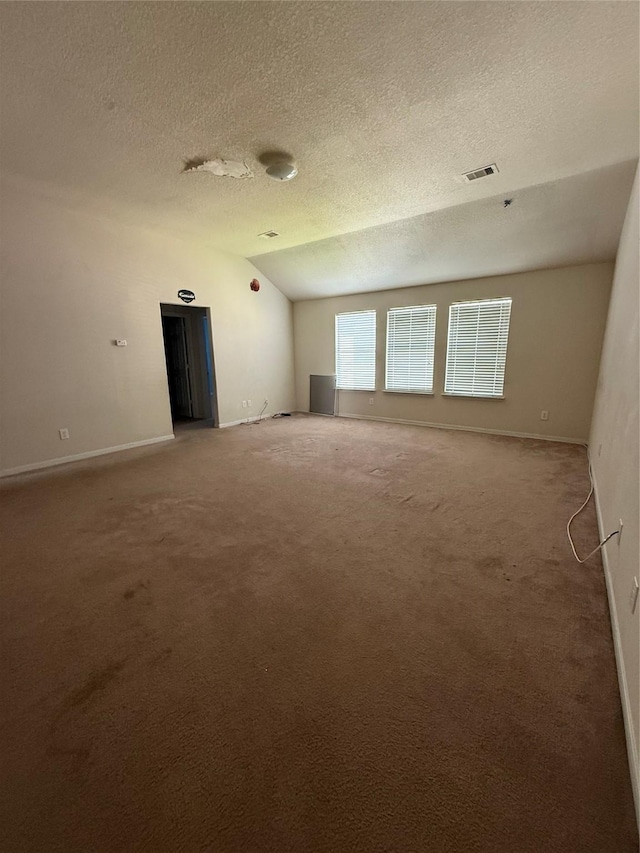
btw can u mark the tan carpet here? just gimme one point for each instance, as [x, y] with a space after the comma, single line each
[309, 635]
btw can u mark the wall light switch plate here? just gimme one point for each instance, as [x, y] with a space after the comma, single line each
[633, 598]
[249, 403]
[244, 404]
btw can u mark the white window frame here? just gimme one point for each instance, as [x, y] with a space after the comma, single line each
[477, 341]
[355, 359]
[410, 351]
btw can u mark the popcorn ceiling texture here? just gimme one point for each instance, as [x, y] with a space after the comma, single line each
[573, 220]
[382, 106]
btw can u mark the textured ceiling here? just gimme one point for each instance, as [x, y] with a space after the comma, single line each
[383, 105]
[570, 221]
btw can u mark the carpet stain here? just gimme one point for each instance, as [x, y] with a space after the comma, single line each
[129, 593]
[97, 683]
[161, 656]
[490, 564]
[77, 755]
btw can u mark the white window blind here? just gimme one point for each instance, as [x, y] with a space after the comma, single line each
[356, 351]
[477, 348]
[411, 335]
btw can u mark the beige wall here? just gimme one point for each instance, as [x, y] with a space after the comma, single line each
[557, 323]
[72, 283]
[615, 437]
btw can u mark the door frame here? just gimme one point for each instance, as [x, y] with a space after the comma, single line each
[202, 371]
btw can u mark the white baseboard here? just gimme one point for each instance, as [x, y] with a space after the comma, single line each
[77, 457]
[632, 750]
[252, 420]
[464, 428]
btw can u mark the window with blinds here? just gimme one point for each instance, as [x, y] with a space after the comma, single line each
[411, 336]
[356, 351]
[477, 348]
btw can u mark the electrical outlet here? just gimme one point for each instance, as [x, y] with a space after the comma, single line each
[372, 400]
[633, 598]
[120, 342]
[544, 415]
[64, 433]
[249, 403]
[244, 404]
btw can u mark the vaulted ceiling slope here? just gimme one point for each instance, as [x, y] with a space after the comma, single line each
[574, 220]
[383, 106]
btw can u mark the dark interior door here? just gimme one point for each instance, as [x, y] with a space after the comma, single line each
[176, 354]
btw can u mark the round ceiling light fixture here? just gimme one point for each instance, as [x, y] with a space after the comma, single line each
[281, 171]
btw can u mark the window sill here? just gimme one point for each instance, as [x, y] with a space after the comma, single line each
[473, 396]
[418, 393]
[369, 390]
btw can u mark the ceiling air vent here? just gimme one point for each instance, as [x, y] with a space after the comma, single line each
[269, 235]
[480, 173]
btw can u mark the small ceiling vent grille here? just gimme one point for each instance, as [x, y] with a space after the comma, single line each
[269, 235]
[484, 172]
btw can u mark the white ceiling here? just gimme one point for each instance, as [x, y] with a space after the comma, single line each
[571, 221]
[383, 105]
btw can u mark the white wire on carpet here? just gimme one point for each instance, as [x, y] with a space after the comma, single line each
[604, 541]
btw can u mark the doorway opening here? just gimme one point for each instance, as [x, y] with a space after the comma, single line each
[188, 350]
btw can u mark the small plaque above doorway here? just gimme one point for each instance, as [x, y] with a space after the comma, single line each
[186, 295]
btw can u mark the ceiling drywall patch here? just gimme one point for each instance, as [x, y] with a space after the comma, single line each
[221, 168]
